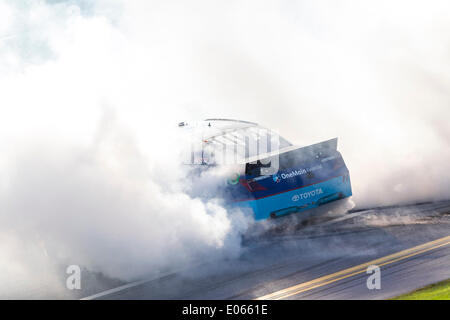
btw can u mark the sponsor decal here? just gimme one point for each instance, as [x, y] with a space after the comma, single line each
[234, 178]
[306, 195]
[276, 178]
[300, 172]
[293, 174]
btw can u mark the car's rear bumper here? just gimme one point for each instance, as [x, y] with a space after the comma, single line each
[299, 199]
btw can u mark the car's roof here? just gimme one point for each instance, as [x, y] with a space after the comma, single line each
[230, 121]
[210, 128]
[247, 138]
[223, 130]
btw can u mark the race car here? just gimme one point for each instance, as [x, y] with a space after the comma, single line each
[268, 176]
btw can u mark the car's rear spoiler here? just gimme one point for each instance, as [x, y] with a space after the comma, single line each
[270, 163]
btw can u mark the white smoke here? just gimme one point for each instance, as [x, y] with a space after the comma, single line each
[91, 92]
[108, 208]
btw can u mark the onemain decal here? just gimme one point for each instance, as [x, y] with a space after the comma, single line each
[276, 178]
[307, 195]
[300, 172]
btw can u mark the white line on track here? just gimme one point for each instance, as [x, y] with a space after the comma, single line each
[117, 289]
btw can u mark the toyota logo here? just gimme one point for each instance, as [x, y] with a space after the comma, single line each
[295, 197]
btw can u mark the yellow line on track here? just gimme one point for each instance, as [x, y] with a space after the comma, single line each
[319, 282]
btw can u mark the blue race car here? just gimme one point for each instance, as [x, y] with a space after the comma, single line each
[269, 177]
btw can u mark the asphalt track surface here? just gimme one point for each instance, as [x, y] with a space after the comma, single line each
[325, 259]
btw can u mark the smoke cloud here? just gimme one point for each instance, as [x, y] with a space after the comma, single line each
[91, 92]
